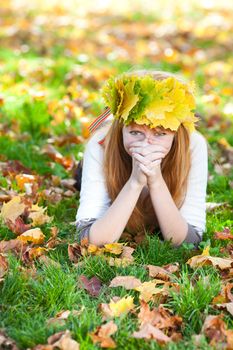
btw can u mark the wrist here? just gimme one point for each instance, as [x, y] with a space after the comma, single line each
[134, 185]
[156, 183]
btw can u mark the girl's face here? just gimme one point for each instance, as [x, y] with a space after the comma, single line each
[134, 133]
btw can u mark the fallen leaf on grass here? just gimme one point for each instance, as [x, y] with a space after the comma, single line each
[18, 227]
[14, 245]
[114, 248]
[225, 295]
[48, 261]
[159, 317]
[66, 161]
[215, 329]
[227, 306]
[118, 262]
[35, 235]
[148, 290]
[6, 342]
[53, 241]
[62, 316]
[75, 252]
[3, 265]
[225, 234]
[128, 282]
[95, 250]
[13, 209]
[210, 206]
[147, 331]
[122, 306]
[117, 307]
[103, 333]
[163, 273]
[33, 253]
[38, 216]
[93, 285]
[24, 179]
[206, 259]
[61, 340]
[127, 253]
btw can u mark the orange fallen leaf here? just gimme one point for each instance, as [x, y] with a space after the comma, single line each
[33, 253]
[22, 179]
[103, 333]
[164, 273]
[63, 341]
[225, 234]
[215, 329]
[147, 331]
[66, 161]
[227, 306]
[159, 317]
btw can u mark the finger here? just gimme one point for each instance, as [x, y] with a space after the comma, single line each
[154, 156]
[141, 158]
[145, 170]
[157, 162]
[153, 166]
[148, 149]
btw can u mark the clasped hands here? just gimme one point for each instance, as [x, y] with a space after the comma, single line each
[149, 157]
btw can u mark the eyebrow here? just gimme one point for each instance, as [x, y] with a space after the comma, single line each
[155, 130]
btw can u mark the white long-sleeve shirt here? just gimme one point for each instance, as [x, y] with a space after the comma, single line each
[94, 198]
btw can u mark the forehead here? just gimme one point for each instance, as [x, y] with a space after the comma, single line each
[143, 127]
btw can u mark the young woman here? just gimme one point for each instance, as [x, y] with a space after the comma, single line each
[145, 167]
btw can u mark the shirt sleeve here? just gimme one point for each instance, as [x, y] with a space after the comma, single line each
[94, 198]
[193, 208]
[83, 228]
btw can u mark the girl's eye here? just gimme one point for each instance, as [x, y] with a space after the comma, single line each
[134, 132]
[161, 134]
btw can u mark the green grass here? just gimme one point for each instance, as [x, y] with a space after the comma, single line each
[28, 302]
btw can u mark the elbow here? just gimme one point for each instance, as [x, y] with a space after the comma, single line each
[98, 238]
[193, 235]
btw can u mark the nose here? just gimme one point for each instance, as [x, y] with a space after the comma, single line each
[147, 138]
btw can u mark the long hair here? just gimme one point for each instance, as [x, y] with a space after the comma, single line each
[117, 167]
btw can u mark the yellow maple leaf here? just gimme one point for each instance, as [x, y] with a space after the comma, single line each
[130, 101]
[114, 248]
[118, 262]
[93, 249]
[121, 306]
